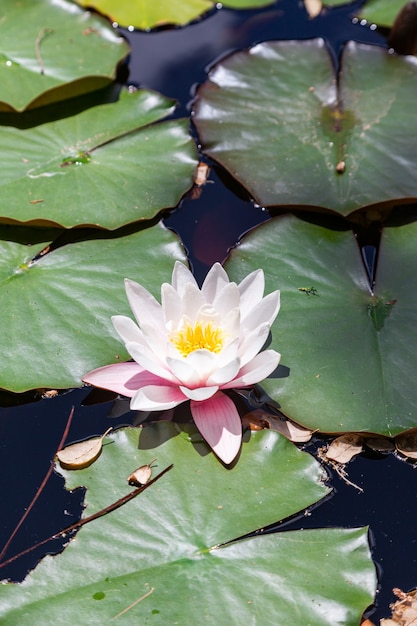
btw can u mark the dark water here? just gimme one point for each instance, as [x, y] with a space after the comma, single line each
[174, 62]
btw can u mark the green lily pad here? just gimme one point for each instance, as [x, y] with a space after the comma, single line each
[107, 166]
[145, 14]
[51, 51]
[348, 359]
[158, 558]
[55, 324]
[382, 12]
[275, 119]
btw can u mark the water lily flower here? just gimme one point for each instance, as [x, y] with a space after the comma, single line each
[192, 346]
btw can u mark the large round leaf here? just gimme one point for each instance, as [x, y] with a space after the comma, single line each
[55, 320]
[106, 166]
[383, 12]
[275, 119]
[165, 543]
[50, 51]
[146, 14]
[349, 355]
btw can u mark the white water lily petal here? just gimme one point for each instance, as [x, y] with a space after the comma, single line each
[194, 369]
[229, 353]
[145, 307]
[223, 375]
[227, 299]
[149, 361]
[252, 343]
[256, 370]
[157, 398]
[171, 306]
[231, 326]
[192, 301]
[155, 341]
[206, 313]
[127, 329]
[181, 277]
[251, 290]
[214, 282]
[218, 421]
[200, 394]
[122, 378]
[264, 312]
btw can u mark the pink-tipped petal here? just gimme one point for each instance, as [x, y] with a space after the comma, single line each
[199, 395]
[122, 378]
[157, 398]
[256, 370]
[219, 423]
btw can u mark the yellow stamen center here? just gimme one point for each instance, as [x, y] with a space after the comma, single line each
[197, 337]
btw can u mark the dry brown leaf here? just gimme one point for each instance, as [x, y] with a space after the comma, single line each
[345, 447]
[380, 444]
[313, 7]
[142, 475]
[406, 443]
[82, 454]
[259, 419]
[404, 611]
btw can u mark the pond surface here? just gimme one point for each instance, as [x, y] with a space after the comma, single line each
[174, 62]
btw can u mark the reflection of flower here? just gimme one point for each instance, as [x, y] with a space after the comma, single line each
[193, 345]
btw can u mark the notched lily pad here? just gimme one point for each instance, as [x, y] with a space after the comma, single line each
[276, 118]
[348, 354]
[51, 51]
[62, 303]
[107, 166]
[183, 528]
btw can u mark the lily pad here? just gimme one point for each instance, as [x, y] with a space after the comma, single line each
[348, 359]
[145, 14]
[275, 118]
[382, 12]
[161, 557]
[107, 166]
[51, 51]
[55, 324]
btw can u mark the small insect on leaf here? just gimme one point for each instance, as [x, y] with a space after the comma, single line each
[142, 475]
[310, 291]
[82, 454]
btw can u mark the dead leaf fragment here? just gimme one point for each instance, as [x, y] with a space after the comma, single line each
[260, 419]
[142, 475]
[345, 447]
[82, 454]
[404, 611]
[380, 444]
[406, 444]
[313, 7]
